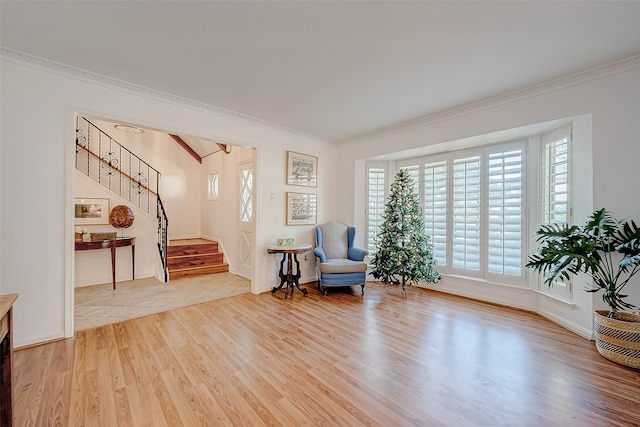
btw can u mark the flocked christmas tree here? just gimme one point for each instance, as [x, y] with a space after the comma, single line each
[404, 252]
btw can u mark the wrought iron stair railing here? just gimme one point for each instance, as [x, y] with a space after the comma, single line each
[106, 161]
[163, 225]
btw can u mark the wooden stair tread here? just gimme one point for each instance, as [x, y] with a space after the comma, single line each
[212, 255]
[200, 267]
[190, 260]
[196, 241]
[191, 249]
[194, 257]
[198, 271]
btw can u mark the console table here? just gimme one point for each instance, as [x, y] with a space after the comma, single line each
[6, 355]
[112, 244]
[289, 253]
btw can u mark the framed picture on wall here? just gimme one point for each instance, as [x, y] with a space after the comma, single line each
[302, 169]
[302, 208]
[91, 211]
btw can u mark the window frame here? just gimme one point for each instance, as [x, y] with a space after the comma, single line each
[213, 185]
[561, 289]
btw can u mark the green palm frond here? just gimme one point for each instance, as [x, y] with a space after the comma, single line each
[569, 250]
[627, 239]
[566, 250]
[601, 222]
[555, 231]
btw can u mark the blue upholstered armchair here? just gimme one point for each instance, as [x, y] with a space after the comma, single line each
[341, 264]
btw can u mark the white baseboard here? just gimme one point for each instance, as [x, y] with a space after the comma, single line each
[37, 339]
[583, 332]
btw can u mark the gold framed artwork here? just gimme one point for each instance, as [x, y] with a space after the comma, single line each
[302, 169]
[302, 208]
[91, 211]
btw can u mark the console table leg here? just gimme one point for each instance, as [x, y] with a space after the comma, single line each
[113, 266]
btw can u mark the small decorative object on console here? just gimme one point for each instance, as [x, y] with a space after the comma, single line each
[285, 241]
[121, 217]
[99, 237]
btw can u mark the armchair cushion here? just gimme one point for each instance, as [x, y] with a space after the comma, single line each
[342, 266]
[334, 240]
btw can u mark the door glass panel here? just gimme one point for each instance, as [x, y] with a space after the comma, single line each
[246, 191]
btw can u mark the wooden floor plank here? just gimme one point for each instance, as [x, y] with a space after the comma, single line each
[343, 359]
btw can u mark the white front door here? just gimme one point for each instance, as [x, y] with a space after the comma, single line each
[245, 220]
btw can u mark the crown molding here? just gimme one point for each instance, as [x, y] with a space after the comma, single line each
[75, 73]
[623, 65]
[595, 73]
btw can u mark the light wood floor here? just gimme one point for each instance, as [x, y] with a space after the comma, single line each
[335, 360]
[101, 304]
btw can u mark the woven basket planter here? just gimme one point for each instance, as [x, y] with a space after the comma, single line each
[618, 340]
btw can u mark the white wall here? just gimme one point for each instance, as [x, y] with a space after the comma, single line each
[611, 97]
[36, 246]
[180, 182]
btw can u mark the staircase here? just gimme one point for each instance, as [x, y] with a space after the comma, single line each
[112, 165]
[194, 257]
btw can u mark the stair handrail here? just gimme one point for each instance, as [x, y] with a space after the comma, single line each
[113, 157]
[110, 164]
[163, 225]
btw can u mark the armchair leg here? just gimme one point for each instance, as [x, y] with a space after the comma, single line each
[322, 289]
[362, 289]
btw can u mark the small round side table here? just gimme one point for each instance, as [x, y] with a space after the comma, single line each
[290, 254]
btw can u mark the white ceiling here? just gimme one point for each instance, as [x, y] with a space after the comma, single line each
[335, 70]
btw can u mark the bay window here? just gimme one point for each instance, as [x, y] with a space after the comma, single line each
[477, 202]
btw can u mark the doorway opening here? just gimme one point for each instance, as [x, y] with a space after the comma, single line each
[185, 168]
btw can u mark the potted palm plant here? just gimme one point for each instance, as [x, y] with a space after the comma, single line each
[607, 250]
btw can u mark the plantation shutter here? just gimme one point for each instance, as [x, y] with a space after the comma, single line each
[554, 191]
[466, 212]
[555, 176]
[375, 206]
[504, 211]
[414, 173]
[435, 208]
